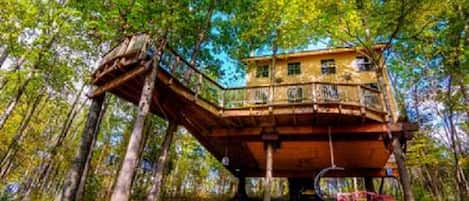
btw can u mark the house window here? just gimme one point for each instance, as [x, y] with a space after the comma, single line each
[328, 66]
[262, 71]
[330, 92]
[261, 96]
[295, 95]
[294, 68]
[372, 85]
[371, 98]
[363, 63]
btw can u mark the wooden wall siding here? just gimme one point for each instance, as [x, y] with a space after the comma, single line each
[347, 72]
[221, 117]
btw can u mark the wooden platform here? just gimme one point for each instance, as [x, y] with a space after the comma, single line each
[233, 120]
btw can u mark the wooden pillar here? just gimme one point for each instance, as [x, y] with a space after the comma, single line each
[369, 187]
[158, 176]
[268, 172]
[123, 183]
[241, 194]
[73, 179]
[294, 188]
[369, 184]
[403, 173]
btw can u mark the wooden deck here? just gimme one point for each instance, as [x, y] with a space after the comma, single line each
[236, 121]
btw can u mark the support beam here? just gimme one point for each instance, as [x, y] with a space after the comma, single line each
[158, 176]
[123, 183]
[369, 184]
[309, 130]
[403, 173]
[241, 194]
[121, 80]
[268, 171]
[369, 187]
[73, 179]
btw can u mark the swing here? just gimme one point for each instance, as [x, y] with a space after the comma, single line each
[333, 167]
[357, 195]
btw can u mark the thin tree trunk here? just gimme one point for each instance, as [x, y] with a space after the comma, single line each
[47, 162]
[81, 186]
[127, 171]
[14, 101]
[13, 147]
[202, 33]
[4, 56]
[460, 177]
[89, 134]
[158, 176]
[403, 172]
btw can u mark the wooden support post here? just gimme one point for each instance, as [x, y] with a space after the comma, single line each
[123, 183]
[159, 166]
[241, 194]
[403, 173]
[268, 171]
[294, 188]
[369, 184]
[369, 187]
[73, 179]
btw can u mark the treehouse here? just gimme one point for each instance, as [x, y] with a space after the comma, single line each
[310, 111]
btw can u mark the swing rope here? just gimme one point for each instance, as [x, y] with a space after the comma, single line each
[317, 178]
[331, 148]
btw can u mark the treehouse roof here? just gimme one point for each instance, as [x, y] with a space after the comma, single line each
[324, 51]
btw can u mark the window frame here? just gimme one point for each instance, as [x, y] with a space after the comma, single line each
[293, 68]
[328, 66]
[298, 92]
[261, 96]
[330, 92]
[262, 71]
[365, 65]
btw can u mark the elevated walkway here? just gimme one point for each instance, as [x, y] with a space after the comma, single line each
[236, 121]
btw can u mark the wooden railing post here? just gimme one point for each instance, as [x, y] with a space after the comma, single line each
[173, 67]
[313, 92]
[382, 103]
[360, 96]
[245, 97]
[198, 86]
[222, 101]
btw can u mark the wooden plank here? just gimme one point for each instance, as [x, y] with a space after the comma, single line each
[351, 172]
[307, 130]
[120, 80]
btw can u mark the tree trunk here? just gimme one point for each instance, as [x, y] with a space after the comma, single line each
[159, 167]
[81, 186]
[4, 56]
[202, 34]
[403, 172]
[42, 173]
[268, 172]
[241, 194]
[89, 134]
[13, 147]
[12, 104]
[127, 171]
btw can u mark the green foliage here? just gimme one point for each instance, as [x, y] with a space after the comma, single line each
[54, 45]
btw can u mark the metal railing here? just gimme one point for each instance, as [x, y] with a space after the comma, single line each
[211, 91]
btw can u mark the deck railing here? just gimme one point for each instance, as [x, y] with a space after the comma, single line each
[208, 89]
